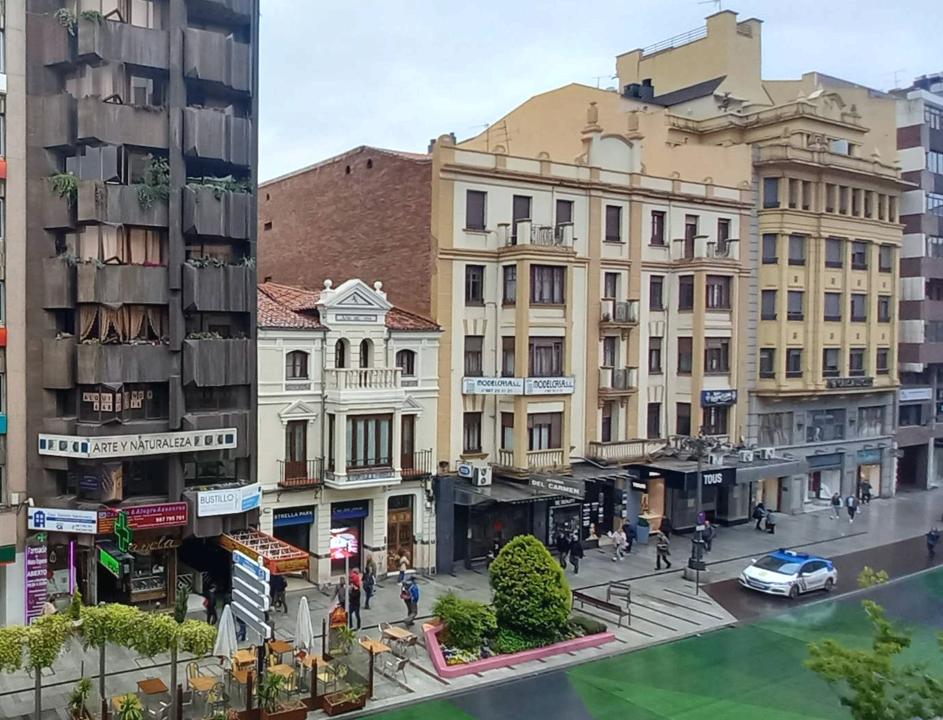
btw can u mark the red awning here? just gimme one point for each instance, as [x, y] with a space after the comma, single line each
[278, 556]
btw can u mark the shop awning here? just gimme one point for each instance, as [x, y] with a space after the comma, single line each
[500, 491]
[278, 556]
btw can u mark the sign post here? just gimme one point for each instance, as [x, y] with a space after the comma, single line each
[251, 597]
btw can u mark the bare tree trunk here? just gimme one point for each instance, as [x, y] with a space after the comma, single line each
[173, 680]
[39, 692]
[101, 671]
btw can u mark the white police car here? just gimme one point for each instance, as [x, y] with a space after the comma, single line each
[789, 573]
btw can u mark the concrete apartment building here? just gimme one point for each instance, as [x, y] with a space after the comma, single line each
[347, 420]
[132, 308]
[920, 408]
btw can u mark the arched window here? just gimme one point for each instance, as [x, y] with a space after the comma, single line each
[296, 365]
[340, 354]
[406, 362]
[366, 353]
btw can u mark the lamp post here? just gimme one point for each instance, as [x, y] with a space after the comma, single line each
[701, 447]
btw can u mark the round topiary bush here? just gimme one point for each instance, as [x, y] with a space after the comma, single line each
[467, 622]
[531, 594]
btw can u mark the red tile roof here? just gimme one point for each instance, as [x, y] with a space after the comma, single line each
[284, 306]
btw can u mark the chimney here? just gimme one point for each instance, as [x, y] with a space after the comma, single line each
[267, 278]
[647, 90]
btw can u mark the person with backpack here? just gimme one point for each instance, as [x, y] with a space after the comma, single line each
[369, 583]
[759, 514]
[209, 603]
[851, 505]
[563, 547]
[630, 535]
[836, 507]
[353, 605]
[865, 492]
[278, 586]
[662, 550]
[412, 600]
[576, 553]
[708, 534]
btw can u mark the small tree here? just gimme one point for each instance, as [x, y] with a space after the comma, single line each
[869, 577]
[531, 594]
[874, 687]
[44, 641]
[467, 622]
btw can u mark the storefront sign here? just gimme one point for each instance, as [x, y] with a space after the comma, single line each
[349, 510]
[109, 446]
[711, 398]
[228, 501]
[914, 394]
[550, 386]
[559, 486]
[640, 485]
[144, 517]
[345, 542]
[297, 516]
[849, 382]
[492, 386]
[712, 478]
[709, 478]
[62, 520]
[869, 457]
[109, 562]
[164, 542]
[36, 581]
[103, 482]
[821, 462]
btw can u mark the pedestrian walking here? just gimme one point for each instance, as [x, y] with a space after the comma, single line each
[770, 522]
[241, 629]
[353, 605]
[662, 550]
[412, 602]
[209, 603]
[576, 553]
[278, 586]
[865, 492]
[339, 596]
[933, 538]
[666, 527]
[851, 505]
[402, 563]
[759, 513]
[618, 543]
[369, 583]
[836, 507]
[708, 534]
[630, 535]
[563, 547]
[493, 552]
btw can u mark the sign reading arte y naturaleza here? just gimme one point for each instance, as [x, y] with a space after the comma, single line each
[109, 446]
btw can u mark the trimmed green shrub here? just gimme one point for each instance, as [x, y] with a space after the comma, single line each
[531, 594]
[588, 625]
[509, 641]
[467, 622]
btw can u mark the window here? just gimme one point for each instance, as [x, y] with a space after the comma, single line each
[717, 355]
[806, 195]
[683, 419]
[471, 432]
[769, 249]
[723, 235]
[796, 301]
[685, 355]
[507, 431]
[475, 209]
[296, 441]
[507, 356]
[656, 296]
[715, 420]
[718, 292]
[832, 306]
[770, 192]
[934, 246]
[910, 415]
[884, 308]
[686, 292]
[606, 428]
[406, 362]
[935, 162]
[842, 200]
[793, 363]
[143, 13]
[509, 284]
[886, 259]
[267, 226]
[834, 252]
[547, 284]
[654, 421]
[545, 356]
[658, 228]
[859, 307]
[296, 365]
[882, 365]
[829, 198]
[146, 91]
[825, 426]
[775, 429]
[690, 233]
[613, 223]
[767, 362]
[831, 362]
[610, 285]
[544, 431]
[340, 354]
[797, 249]
[564, 212]
[934, 203]
[520, 211]
[369, 441]
[474, 284]
[933, 116]
[366, 353]
[121, 403]
[859, 255]
[609, 351]
[474, 366]
[856, 362]
[654, 355]
[871, 421]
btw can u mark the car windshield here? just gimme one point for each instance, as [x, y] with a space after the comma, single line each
[776, 565]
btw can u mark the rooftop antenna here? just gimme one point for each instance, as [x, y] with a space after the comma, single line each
[896, 74]
[599, 78]
[718, 4]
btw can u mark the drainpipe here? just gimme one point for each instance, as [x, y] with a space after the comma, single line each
[497, 369]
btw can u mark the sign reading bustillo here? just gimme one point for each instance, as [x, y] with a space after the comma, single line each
[228, 501]
[108, 446]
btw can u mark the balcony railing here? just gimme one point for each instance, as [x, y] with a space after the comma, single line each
[363, 379]
[536, 459]
[618, 379]
[527, 233]
[622, 451]
[417, 464]
[300, 473]
[619, 312]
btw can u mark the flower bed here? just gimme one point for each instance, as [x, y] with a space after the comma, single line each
[498, 661]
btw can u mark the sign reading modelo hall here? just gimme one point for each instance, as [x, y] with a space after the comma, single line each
[110, 446]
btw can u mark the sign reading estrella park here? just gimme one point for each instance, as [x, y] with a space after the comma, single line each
[144, 517]
[110, 446]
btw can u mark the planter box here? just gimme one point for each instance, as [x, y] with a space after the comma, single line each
[500, 661]
[216, 363]
[117, 284]
[217, 214]
[216, 58]
[343, 706]
[298, 712]
[219, 289]
[111, 41]
[217, 135]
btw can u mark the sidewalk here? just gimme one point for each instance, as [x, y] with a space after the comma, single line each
[664, 607]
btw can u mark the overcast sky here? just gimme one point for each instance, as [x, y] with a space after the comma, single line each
[394, 74]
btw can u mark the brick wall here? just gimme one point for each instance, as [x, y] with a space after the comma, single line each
[364, 214]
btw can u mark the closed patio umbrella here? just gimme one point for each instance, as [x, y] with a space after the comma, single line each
[303, 631]
[226, 644]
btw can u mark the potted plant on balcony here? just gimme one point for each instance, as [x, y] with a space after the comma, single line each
[270, 708]
[344, 701]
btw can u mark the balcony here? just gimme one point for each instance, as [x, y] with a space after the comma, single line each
[617, 381]
[623, 451]
[110, 204]
[97, 363]
[618, 313]
[118, 42]
[121, 284]
[534, 460]
[208, 211]
[52, 42]
[112, 123]
[219, 59]
[212, 134]
[418, 464]
[219, 289]
[702, 247]
[56, 118]
[58, 363]
[927, 267]
[58, 284]
[58, 212]
[528, 234]
[218, 362]
[300, 474]
[363, 379]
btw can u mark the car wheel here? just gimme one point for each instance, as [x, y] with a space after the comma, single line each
[829, 585]
[793, 592]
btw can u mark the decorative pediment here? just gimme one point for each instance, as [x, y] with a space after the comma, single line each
[356, 295]
[298, 410]
[410, 406]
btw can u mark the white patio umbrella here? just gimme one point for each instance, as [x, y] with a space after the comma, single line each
[226, 644]
[304, 633]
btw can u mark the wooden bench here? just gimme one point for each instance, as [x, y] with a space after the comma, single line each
[610, 607]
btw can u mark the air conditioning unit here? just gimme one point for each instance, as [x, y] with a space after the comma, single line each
[745, 456]
[482, 476]
[715, 459]
[766, 453]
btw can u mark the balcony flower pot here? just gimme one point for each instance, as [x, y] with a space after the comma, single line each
[344, 701]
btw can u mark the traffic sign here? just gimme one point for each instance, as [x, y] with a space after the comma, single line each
[250, 592]
[249, 597]
[253, 566]
[251, 584]
[252, 621]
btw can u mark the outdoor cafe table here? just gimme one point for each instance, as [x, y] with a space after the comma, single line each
[280, 647]
[374, 647]
[243, 658]
[152, 686]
